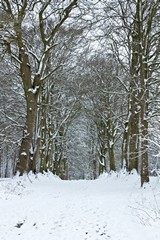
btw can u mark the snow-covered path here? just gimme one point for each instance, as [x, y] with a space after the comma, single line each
[111, 207]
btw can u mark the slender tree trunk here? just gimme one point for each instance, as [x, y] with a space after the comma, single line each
[144, 152]
[125, 148]
[110, 136]
[112, 158]
[102, 146]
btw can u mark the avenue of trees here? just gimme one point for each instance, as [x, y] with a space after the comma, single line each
[79, 87]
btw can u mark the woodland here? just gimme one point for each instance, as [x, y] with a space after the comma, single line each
[80, 87]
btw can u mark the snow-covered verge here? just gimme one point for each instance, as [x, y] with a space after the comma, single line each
[112, 207]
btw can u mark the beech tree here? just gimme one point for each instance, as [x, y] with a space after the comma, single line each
[144, 56]
[134, 39]
[42, 20]
[11, 117]
[112, 77]
[58, 100]
[109, 100]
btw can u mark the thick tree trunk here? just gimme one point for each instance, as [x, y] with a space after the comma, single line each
[27, 149]
[144, 92]
[133, 142]
[144, 123]
[31, 90]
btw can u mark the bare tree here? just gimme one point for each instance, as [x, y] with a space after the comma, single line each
[135, 42]
[44, 19]
[11, 118]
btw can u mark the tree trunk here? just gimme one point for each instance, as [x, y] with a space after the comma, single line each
[110, 135]
[125, 148]
[112, 158]
[27, 148]
[144, 152]
[31, 90]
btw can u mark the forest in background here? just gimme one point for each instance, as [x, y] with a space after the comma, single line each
[79, 87]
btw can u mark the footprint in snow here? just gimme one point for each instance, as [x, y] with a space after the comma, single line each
[19, 224]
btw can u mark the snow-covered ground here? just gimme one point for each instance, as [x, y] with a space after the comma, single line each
[111, 207]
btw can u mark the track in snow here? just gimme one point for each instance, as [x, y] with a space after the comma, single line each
[50, 209]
